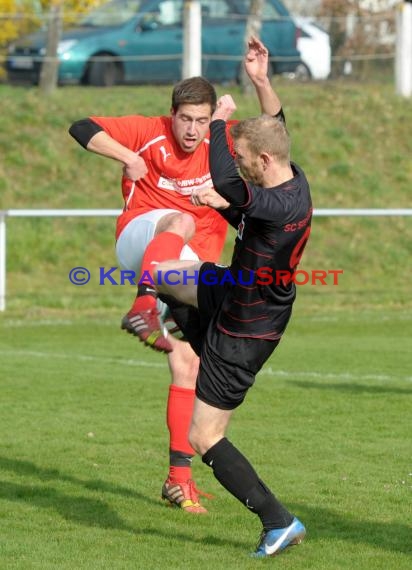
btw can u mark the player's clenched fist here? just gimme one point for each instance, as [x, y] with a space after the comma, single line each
[209, 197]
[136, 168]
[225, 107]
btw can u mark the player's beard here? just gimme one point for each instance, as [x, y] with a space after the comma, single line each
[253, 174]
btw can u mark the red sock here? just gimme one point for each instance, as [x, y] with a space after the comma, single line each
[166, 245]
[179, 415]
[179, 474]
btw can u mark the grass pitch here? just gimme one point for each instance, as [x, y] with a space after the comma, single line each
[84, 448]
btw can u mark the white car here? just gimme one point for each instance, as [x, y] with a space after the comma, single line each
[315, 50]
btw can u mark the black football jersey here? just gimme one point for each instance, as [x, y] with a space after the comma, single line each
[273, 226]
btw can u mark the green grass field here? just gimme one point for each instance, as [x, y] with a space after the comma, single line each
[84, 448]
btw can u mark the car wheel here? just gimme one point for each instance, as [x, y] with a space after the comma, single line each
[302, 72]
[104, 71]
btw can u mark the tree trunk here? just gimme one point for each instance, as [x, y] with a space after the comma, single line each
[48, 74]
[253, 26]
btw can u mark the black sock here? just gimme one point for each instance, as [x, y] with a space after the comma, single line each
[180, 459]
[146, 290]
[237, 476]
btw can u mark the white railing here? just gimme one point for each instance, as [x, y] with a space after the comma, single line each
[4, 214]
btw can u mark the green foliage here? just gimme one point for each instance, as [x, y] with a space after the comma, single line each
[19, 17]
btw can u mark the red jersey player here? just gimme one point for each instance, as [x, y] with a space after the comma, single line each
[164, 160]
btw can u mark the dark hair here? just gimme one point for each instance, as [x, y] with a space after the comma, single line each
[194, 91]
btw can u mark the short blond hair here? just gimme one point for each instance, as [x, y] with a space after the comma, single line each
[264, 134]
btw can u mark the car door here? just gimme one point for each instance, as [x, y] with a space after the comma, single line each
[223, 30]
[279, 34]
[155, 45]
[223, 37]
[158, 42]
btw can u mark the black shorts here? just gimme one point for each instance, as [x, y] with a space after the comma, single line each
[228, 364]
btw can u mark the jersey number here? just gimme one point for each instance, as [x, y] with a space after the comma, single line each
[298, 250]
[241, 227]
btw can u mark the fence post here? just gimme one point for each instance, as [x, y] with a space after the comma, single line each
[3, 215]
[403, 55]
[192, 39]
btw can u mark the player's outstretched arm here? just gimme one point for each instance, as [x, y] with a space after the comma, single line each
[93, 138]
[134, 167]
[256, 63]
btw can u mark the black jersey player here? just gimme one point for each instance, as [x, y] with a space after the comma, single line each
[234, 317]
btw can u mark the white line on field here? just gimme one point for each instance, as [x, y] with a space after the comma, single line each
[47, 323]
[82, 358]
[268, 371]
[332, 376]
[357, 318]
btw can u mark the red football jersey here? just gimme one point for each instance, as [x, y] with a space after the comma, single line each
[172, 176]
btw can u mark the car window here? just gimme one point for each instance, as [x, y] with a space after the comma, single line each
[170, 12]
[113, 13]
[269, 11]
[215, 8]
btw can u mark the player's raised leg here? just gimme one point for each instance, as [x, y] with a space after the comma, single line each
[165, 233]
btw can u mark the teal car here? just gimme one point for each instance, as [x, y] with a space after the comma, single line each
[141, 41]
